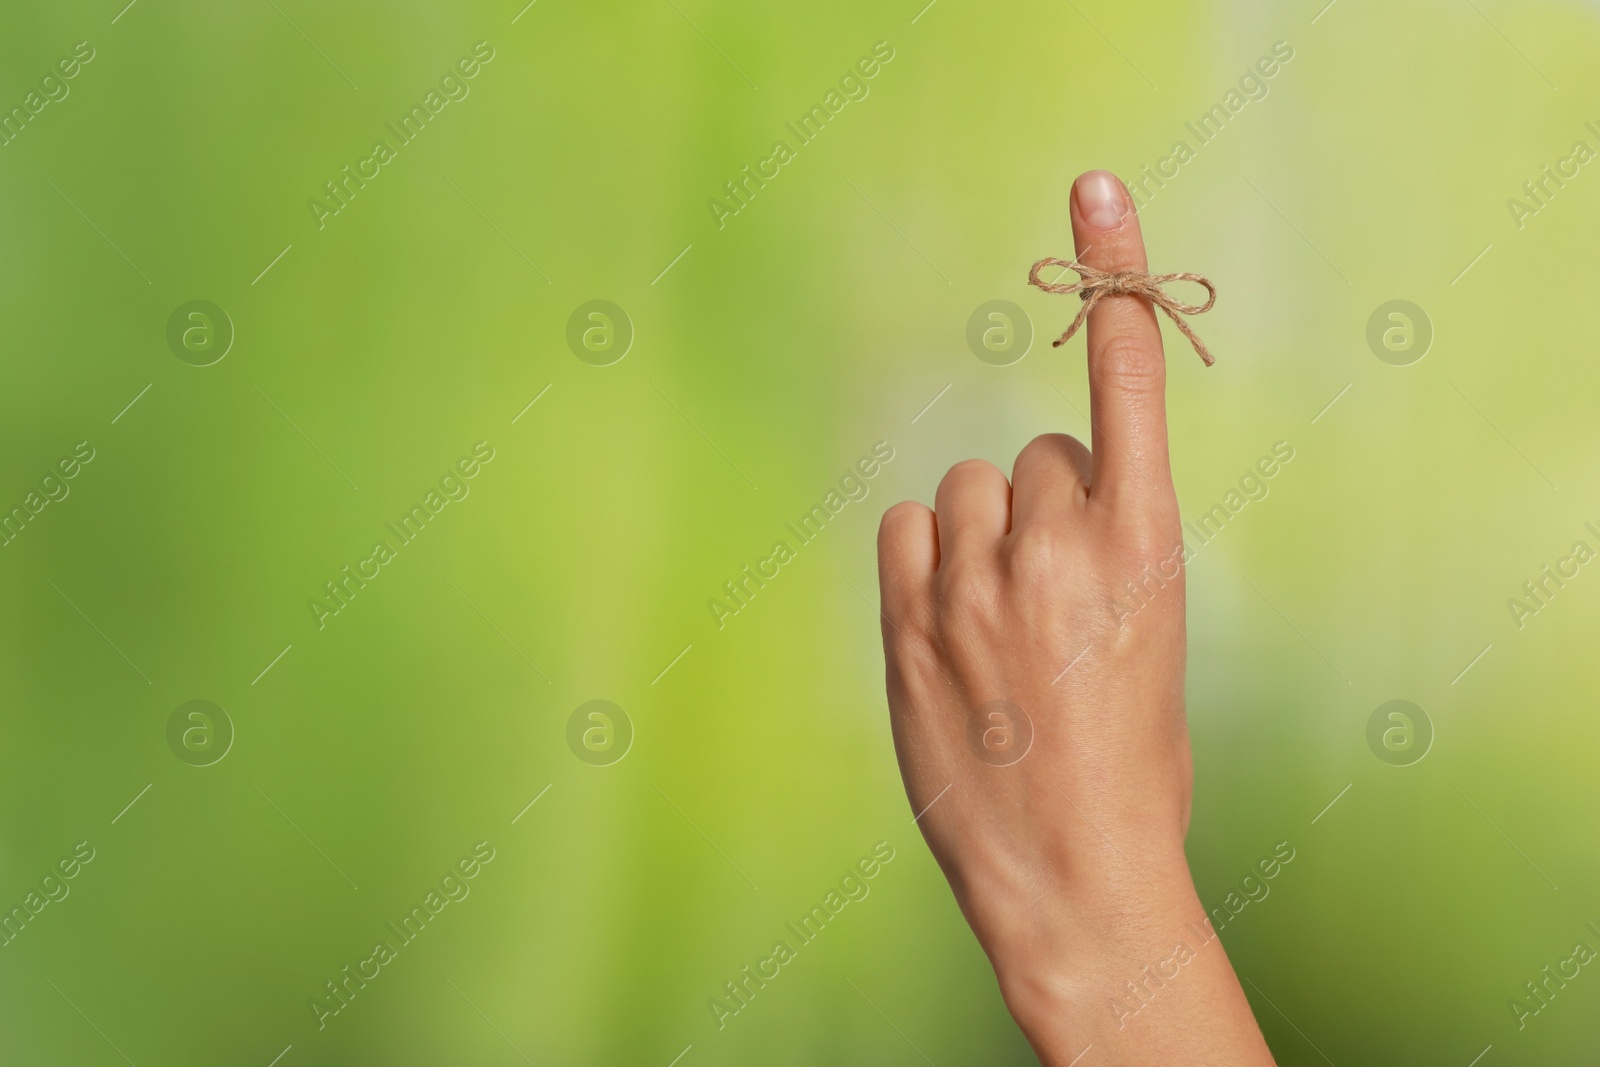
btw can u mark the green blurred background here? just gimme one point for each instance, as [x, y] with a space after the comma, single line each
[372, 754]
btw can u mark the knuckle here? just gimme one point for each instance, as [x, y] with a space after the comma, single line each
[1151, 533]
[1054, 455]
[970, 472]
[1050, 446]
[1131, 364]
[903, 517]
[1039, 548]
[1153, 560]
[969, 592]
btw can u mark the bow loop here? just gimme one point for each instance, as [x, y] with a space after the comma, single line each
[1093, 284]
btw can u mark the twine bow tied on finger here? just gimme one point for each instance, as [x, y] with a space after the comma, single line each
[1093, 285]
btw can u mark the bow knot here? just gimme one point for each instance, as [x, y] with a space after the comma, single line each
[1093, 285]
[1121, 284]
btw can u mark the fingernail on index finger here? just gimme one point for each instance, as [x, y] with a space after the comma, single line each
[1102, 204]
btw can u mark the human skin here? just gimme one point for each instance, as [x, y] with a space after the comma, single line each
[1067, 863]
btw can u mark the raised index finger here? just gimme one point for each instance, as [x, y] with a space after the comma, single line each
[1127, 368]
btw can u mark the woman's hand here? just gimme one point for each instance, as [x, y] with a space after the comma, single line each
[1034, 638]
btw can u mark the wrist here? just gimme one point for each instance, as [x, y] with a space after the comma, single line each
[1142, 977]
[1082, 966]
[1081, 948]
